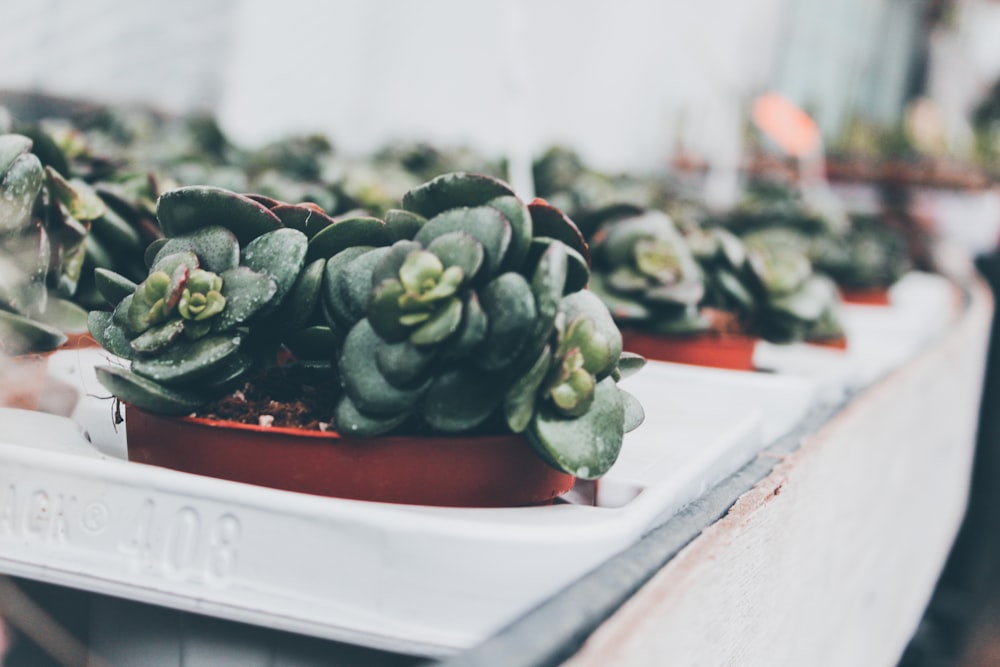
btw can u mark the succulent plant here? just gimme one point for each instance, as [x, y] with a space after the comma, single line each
[792, 301]
[646, 273]
[655, 278]
[866, 252]
[464, 312]
[44, 225]
[207, 314]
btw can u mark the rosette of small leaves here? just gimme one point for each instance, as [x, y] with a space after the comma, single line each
[463, 313]
[211, 309]
[646, 274]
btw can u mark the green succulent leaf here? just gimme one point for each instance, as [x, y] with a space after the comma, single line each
[629, 363]
[19, 188]
[577, 270]
[299, 307]
[471, 332]
[460, 250]
[587, 305]
[147, 394]
[187, 361]
[12, 147]
[402, 224]
[158, 338]
[585, 446]
[461, 399]
[112, 286]
[168, 264]
[634, 413]
[109, 335]
[354, 283]
[336, 271]
[152, 250]
[385, 314]
[453, 191]
[348, 233]
[216, 248]
[19, 334]
[509, 304]
[191, 208]
[369, 390]
[392, 261]
[351, 421]
[80, 200]
[306, 219]
[246, 292]
[521, 229]
[404, 364]
[62, 314]
[550, 222]
[486, 224]
[279, 254]
[440, 325]
[522, 397]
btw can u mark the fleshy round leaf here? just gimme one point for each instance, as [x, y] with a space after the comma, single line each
[550, 222]
[440, 326]
[459, 249]
[109, 335]
[392, 262]
[586, 446]
[113, 231]
[577, 271]
[634, 412]
[147, 394]
[158, 338]
[486, 224]
[462, 399]
[279, 254]
[522, 397]
[510, 307]
[82, 202]
[216, 248]
[332, 301]
[452, 191]
[472, 331]
[20, 334]
[348, 420]
[306, 219]
[367, 387]
[19, 187]
[188, 361]
[355, 282]
[187, 209]
[152, 250]
[404, 364]
[403, 224]
[246, 292]
[299, 307]
[629, 363]
[521, 226]
[587, 304]
[347, 233]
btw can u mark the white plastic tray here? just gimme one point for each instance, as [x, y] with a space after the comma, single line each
[404, 578]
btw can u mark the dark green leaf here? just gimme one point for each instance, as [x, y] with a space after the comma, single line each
[190, 208]
[147, 394]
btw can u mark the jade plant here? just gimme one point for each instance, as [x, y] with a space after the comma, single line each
[656, 278]
[208, 313]
[462, 312]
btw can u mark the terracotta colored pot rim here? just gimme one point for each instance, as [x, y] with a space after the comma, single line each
[334, 435]
[456, 471]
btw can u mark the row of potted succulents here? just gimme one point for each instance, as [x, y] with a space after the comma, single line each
[462, 313]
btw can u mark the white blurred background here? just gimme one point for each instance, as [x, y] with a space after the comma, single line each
[626, 83]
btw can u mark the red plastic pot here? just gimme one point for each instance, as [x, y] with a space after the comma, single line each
[483, 471]
[874, 296]
[718, 350]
